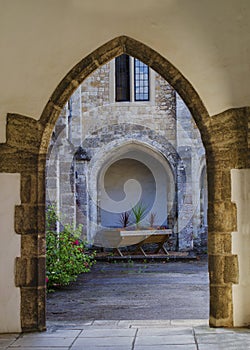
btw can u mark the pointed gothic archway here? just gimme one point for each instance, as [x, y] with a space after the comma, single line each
[30, 218]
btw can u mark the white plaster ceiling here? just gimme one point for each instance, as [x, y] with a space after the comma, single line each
[40, 41]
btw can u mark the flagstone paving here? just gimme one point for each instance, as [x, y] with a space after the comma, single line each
[140, 307]
[130, 335]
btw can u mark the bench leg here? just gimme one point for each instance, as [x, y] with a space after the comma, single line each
[163, 248]
[118, 251]
[142, 251]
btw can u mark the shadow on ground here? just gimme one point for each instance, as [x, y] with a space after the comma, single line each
[131, 290]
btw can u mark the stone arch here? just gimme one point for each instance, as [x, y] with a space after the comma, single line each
[224, 137]
[102, 55]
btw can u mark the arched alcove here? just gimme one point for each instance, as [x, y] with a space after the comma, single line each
[153, 163]
[138, 174]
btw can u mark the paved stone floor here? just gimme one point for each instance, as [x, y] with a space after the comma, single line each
[130, 335]
[135, 291]
[128, 306]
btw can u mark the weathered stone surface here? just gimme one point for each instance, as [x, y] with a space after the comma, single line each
[29, 245]
[231, 273]
[216, 269]
[30, 272]
[220, 303]
[26, 219]
[26, 272]
[23, 133]
[29, 219]
[41, 309]
[222, 216]
[13, 161]
[219, 243]
[33, 245]
[29, 310]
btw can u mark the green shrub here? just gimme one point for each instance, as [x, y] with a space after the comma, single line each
[66, 255]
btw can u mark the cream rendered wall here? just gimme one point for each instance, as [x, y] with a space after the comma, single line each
[40, 41]
[9, 250]
[241, 246]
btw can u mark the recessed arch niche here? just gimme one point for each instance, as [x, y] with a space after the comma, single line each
[136, 174]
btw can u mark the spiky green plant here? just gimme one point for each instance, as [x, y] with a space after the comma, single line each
[139, 211]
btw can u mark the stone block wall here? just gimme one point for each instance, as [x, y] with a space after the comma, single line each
[92, 119]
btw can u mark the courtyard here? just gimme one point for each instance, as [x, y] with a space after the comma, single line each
[129, 290]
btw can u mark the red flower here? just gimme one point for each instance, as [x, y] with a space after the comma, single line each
[47, 279]
[76, 242]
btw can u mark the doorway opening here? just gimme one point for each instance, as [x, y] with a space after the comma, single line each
[222, 214]
[112, 150]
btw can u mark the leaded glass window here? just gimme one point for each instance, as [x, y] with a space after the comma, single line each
[141, 81]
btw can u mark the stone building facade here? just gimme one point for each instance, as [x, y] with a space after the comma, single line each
[106, 156]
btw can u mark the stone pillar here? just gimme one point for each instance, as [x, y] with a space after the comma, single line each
[21, 155]
[226, 149]
[82, 207]
[184, 203]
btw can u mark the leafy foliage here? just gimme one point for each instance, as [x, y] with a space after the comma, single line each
[139, 211]
[66, 255]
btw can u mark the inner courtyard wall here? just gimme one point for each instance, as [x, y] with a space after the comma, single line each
[92, 118]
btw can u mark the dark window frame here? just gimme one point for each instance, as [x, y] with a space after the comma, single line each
[122, 78]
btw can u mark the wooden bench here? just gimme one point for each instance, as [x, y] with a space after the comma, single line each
[116, 239]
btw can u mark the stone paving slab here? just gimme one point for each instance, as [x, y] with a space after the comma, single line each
[26, 341]
[180, 339]
[144, 323]
[235, 346]
[157, 331]
[167, 347]
[193, 323]
[130, 335]
[4, 343]
[82, 347]
[38, 348]
[7, 339]
[223, 338]
[206, 329]
[97, 333]
[58, 333]
[104, 341]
